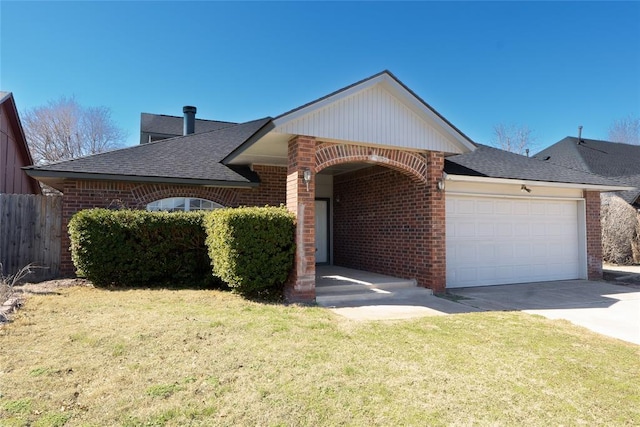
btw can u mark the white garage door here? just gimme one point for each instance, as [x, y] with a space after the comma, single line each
[495, 241]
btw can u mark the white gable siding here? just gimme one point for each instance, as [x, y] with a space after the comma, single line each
[372, 116]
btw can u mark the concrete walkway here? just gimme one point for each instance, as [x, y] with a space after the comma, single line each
[608, 309]
[612, 310]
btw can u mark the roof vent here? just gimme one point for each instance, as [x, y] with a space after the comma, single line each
[189, 119]
[579, 134]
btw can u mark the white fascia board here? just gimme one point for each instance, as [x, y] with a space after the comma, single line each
[488, 180]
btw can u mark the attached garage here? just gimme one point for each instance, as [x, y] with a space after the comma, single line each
[495, 240]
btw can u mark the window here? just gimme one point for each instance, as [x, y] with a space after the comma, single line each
[182, 204]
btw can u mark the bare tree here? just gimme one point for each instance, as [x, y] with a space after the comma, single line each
[514, 138]
[626, 130]
[63, 130]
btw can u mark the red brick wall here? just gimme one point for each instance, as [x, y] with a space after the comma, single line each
[594, 235]
[80, 194]
[301, 285]
[386, 222]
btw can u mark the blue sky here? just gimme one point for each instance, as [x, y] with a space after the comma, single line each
[549, 65]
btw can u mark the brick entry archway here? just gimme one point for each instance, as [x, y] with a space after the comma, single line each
[421, 209]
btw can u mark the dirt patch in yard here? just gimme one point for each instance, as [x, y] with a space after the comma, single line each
[13, 297]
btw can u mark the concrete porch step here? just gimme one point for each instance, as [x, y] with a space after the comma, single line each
[339, 285]
[343, 298]
[355, 287]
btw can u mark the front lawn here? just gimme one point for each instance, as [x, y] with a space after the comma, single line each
[93, 357]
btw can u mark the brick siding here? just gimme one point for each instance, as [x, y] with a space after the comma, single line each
[594, 235]
[301, 286]
[389, 223]
[85, 194]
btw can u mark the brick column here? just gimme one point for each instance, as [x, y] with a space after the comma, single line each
[70, 205]
[436, 246]
[594, 235]
[301, 286]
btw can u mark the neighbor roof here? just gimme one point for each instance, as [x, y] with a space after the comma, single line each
[609, 159]
[161, 124]
[492, 162]
[192, 159]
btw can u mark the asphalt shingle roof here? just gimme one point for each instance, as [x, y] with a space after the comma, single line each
[492, 162]
[195, 156]
[608, 159]
[174, 125]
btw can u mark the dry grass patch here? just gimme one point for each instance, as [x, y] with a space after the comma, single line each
[95, 357]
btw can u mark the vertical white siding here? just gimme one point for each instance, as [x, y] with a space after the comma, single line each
[374, 116]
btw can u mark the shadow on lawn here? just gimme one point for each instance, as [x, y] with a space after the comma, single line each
[264, 298]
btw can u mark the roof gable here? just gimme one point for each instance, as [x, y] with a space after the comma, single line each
[379, 110]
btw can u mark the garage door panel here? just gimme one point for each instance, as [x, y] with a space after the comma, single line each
[486, 254]
[485, 229]
[465, 229]
[521, 251]
[504, 230]
[521, 230]
[503, 207]
[537, 209]
[484, 207]
[501, 241]
[520, 208]
[539, 229]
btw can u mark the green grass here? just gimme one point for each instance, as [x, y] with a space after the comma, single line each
[92, 357]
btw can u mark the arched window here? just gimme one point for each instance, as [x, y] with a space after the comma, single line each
[183, 204]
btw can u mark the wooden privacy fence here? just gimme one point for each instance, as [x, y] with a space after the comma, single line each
[30, 230]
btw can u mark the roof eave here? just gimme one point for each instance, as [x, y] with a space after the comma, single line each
[265, 129]
[36, 173]
[490, 180]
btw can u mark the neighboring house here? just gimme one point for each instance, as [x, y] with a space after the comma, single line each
[378, 180]
[609, 159]
[14, 152]
[154, 127]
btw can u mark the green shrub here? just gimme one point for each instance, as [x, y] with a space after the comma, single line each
[252, 248]
[140, 248]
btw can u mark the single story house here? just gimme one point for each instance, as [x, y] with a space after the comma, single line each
[14, 152]
[615, 160]
[378, 181]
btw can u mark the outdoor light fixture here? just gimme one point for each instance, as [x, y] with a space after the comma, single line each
[524, 188]
[440, 183]
[306, 177]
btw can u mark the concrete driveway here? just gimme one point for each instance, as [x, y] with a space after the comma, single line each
[612, 310]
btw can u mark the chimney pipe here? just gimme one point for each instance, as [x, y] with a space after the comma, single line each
[189, 119]
[579, 134]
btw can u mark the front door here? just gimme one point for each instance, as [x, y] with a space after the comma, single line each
[322, 231]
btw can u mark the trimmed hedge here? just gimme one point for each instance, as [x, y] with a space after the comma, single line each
[140, 248]
[252, 248]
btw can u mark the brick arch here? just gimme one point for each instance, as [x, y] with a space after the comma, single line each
[147, 193]
[412, 164]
